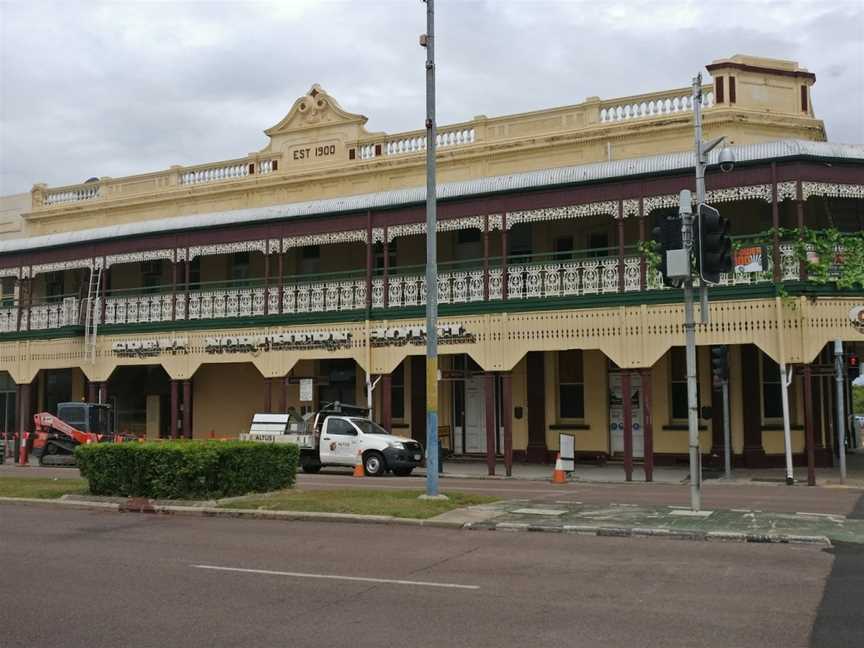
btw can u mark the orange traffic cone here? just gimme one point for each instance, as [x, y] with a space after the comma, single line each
[358, 465]
[558, 476]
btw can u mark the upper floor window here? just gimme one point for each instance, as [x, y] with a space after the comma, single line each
[379, 255]
[598, 243]
[54, 283]
[240, 266]
[563, 248]
[571, 385]
[151, 271]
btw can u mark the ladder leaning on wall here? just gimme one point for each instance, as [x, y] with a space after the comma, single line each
[91, 313]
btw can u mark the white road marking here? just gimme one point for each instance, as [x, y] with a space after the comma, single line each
[359, 579]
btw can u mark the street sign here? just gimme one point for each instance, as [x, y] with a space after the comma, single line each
[306, 390]
[750, 259]
[567, 445]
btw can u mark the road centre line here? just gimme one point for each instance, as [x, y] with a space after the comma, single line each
[360, 579]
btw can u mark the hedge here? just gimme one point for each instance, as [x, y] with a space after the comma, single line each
[187, 469]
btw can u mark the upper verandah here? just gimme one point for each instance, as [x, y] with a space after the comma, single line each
[320, 150]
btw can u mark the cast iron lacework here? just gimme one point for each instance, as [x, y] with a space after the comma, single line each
[228, 248]
[630, 207]
[608, 207]
[132, 257]
[787, 190]
[74, 264]
[495, 222]
[348, 236]
[449, 225]
[834, 190]
[10, 272]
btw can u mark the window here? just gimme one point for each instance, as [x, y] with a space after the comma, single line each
[54, 284]
[467, 236]
[563, 248]
[240, 266]
[571, 386]
[152, 273]
[678, 382]
[340, 427]
[379, 255]
[7, 291]
[397, 392]
[772, 400]
[598, 244]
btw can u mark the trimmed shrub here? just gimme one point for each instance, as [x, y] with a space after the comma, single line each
[187, 469]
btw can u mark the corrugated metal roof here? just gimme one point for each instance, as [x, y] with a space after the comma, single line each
[652, 165]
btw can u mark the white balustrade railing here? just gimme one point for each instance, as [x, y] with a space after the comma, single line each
[8, 320]
[84, 192]
[652, 107]
[416, 142]
[533, 280]
[229, 171]
[55, 315]
[137, 309]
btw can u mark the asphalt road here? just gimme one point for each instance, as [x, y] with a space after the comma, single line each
[81, 579]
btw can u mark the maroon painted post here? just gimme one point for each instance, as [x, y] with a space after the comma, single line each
[386, 245]
[387, 401]
[489, 393]
[627, 405]
[268, 395]
[186, 281]
[799, 212]
[486, 257]
[173, 290]
[280, 268]
[187, 409]
[643, 265]
[621, 247]
[507, 407]
[775, 224]
[370, 260]
[504, 257]
[809, 435]
[106, 274]
[647, 425]
[267, 280]
[174, 408]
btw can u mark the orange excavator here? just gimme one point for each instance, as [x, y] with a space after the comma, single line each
[75, 424]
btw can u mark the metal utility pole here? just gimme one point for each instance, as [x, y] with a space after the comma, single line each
[841, 414]
[428, 41]
[685, 209]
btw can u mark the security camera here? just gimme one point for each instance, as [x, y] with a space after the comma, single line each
[726, 159]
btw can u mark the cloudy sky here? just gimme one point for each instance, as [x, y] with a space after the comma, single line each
[111, 89]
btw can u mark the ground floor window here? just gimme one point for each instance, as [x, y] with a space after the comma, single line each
[397, 392]
[571, 385]
[772, 399]
[678, 383]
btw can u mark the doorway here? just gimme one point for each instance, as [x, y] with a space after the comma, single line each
[616, 414]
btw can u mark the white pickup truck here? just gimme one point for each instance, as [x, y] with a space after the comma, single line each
[334, 435]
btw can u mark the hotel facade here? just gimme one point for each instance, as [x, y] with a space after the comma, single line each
[193, 297]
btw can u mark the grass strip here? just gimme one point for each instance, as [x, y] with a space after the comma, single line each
[360, 501]
[41, 487]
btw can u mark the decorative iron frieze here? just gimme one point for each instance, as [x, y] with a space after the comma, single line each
[74, 264]
[832, 190]
[329, 238]
[136, 257]
[606, 207]
[228, 248]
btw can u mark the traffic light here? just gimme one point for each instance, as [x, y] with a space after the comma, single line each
[667, 236]
[720, 362]
[713, 246]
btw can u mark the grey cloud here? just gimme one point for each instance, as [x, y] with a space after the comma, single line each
[114, 89]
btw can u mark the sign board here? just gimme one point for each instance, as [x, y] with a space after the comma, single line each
[306, 390]
[567, 446]
[750, 259]
[856, 316]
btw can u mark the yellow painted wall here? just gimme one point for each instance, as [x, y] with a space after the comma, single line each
[224, 399]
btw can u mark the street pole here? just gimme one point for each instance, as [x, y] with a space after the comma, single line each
[431, 264]
[685, 208]
[841, 414]
[727, 434]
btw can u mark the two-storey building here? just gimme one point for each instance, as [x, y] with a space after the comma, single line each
[193, 297]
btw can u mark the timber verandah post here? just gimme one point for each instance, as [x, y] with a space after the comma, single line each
[775, 225]
[369, 263]
[489, 395]
[621, 246]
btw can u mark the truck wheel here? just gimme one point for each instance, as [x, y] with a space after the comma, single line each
[373, 464]
[311, 469]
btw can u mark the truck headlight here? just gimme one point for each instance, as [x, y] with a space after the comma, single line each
[396, 444]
